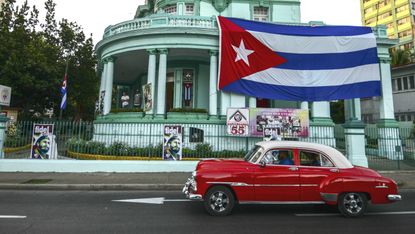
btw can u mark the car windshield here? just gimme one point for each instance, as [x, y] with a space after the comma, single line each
[254, 154]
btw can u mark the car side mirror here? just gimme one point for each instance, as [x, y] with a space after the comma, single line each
[262, 164]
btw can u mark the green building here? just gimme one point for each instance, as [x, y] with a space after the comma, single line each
[172, 46]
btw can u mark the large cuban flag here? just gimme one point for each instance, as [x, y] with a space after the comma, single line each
[297, 63]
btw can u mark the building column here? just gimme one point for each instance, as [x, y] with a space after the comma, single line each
[354, 131]
[225, 103]
[3, 121]
[389, 143]
[178, 88]
[161, 84]
[151, 79]
[252, 102]
[304, 105]
[108, 85]
[213, 78]
[101, 94]
[321, 124]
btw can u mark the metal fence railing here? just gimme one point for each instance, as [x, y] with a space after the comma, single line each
[386, 148]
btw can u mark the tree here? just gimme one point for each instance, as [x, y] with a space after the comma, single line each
[33, 62]
[400, 57]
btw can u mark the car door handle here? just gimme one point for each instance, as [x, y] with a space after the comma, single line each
[293, 168]
[334, 170]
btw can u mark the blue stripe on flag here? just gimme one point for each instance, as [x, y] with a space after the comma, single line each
[348, 91]
[328, 61]
[301, 30]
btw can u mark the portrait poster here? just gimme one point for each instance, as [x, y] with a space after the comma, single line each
[289, 123]
[148, 99]
[172, 144]
[5, 95]
[237, 121]
[42, 141]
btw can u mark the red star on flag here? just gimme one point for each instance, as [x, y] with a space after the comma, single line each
[242, 54]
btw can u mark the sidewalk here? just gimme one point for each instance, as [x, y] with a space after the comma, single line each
[129, 181]
[94, 181]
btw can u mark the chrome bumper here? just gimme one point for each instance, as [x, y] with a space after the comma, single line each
[189, 188]
[394, 197]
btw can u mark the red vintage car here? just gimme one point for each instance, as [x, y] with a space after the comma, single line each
[288, 172]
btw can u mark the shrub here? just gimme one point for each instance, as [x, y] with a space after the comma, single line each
[185, 110]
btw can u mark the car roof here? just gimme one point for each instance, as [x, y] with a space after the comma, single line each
[338, 158]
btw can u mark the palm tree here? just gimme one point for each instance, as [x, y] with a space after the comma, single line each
[401, 57]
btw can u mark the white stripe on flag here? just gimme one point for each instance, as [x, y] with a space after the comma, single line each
[316, 78]
[63, 101]
[315, 45]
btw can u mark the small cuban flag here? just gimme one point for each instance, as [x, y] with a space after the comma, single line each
[63, 92]
[297, 63]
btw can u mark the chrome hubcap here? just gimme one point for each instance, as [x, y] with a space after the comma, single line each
[353, 203]
[219, 201]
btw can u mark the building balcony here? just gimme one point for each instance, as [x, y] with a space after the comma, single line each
[404, 27]
[369, 3]
[161, 20]
[399, 3]
[385, 20]
[370, 15]
[385, 9]
[403, 14]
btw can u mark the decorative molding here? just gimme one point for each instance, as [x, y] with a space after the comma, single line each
[213, 52]
[163, 51]
[110, 59]
[152, 51]
[220, 5]
[385, 60]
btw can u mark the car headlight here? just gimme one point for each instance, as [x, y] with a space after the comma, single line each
[194, 173]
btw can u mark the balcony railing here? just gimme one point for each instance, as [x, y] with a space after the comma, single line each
[161, 20]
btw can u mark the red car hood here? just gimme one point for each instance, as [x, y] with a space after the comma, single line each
[220, 163]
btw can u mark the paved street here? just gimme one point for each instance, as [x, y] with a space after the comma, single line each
[96, 212]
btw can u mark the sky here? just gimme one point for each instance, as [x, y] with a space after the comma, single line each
[95, 15]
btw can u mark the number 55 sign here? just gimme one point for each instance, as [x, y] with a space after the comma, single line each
[237, 121]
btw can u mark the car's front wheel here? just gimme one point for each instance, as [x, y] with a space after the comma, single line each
[352, 204]
[219, 201]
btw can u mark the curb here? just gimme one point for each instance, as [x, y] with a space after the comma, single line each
[98, 187]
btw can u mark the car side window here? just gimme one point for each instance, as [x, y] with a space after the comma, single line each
[279, 157]
[309, 158]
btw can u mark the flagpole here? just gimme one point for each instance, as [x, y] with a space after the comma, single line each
[65, 77]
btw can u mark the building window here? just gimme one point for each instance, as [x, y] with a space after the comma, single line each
[402, 8]
[405, 83]
[369, 21]
[384, 3]
[260, 13]
[411, 82]
[189, 9]
[170, 9]
[403, 21]
[188, 88]
[399, 83]
[403, 118]
[394, 85]
[409, 117]
[404, 33]
[384, 16]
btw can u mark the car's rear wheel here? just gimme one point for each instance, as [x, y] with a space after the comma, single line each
[352, 204]
[219, 201]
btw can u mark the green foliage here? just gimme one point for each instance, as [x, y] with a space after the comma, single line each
[337, 111]
[121, 110]
[34, 56]
[15, 136]
[184, 110]
[400, 57]
[123, 149]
